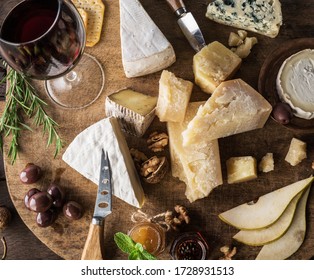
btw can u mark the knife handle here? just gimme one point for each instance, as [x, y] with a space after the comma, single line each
[94, 245]
[177, 5]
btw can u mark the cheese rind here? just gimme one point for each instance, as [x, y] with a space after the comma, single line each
[213, 64]
[295, 83]
[234, 107]
[135, 110]
[145, 49]
[84, 152]
[173, 98]
[261, 16]
[198, 167]
[241, 169]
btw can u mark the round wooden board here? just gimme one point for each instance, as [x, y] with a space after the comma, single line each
[67, 238]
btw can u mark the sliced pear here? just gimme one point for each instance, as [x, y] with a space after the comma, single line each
[266, 210]
[291, 241]
[266, 235]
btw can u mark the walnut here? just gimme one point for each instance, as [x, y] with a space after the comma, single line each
[5, 217]
[154, 169]
[138, 157]
[228, 254]
[157, 141]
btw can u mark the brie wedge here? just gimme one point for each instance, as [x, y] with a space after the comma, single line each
[145, 49]
[84, 152]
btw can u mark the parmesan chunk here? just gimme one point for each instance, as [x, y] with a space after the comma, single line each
[296, 152]
[267, 163]
[241, 169]
[173, 98]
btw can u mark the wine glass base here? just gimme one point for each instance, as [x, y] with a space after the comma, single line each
[80, 87]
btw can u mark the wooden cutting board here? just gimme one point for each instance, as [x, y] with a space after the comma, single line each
[67, 238]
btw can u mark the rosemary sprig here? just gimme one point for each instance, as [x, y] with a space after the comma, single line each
[21, 97]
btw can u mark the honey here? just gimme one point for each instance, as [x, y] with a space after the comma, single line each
[150, 235]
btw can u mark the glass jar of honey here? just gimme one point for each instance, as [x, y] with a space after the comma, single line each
[151, 235]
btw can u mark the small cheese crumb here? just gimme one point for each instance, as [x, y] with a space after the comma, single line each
[296, 152]
[267, 163]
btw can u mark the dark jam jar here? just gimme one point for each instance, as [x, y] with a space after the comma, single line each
[189, 246]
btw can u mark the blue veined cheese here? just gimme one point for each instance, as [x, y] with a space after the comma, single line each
[145, 49]
[261, 16]
[84, 153]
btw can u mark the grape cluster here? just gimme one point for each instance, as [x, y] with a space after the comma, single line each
[47, 204]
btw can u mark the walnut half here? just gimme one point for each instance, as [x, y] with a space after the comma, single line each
[157, 141]
[154, 169]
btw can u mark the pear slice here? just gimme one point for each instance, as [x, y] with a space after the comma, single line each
[266, 210]
[291, 241]
[266, 235]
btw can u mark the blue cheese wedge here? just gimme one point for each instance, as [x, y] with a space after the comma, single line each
[295, 83]
[260, 16]
[145, 49]
[199, 168]
[84, 152]
[135, 110]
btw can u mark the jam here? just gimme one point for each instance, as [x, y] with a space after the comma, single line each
[150, 235]
[189, 246]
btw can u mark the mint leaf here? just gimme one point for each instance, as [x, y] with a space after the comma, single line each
[147, 256]
[124, 242]
[139, 247]
[135, 255]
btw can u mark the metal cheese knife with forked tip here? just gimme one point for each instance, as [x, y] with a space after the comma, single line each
[188, 25]
[94, 245]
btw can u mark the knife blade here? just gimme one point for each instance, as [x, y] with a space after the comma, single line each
[94, 245]
[188, 24]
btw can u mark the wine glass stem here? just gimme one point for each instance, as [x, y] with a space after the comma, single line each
[72, 77]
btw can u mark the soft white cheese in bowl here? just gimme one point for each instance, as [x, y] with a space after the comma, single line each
[295, 83]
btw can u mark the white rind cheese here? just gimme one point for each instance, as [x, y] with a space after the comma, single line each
[84, 154]
[198, 167]
[135, 110]
[145, 49]
[295, 83]
[233, 108]
[260, 16]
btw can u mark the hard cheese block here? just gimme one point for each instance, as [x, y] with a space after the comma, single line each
[145, 49]
[261, 16]
[198, 167]
[214, 64]
[241, 169]
[234, 107]
[84, 152]
[173, 98]
[134, 110]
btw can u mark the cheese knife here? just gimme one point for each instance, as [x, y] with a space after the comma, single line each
[94, 245]
[188, 24]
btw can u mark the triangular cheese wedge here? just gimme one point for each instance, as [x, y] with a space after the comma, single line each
[145, 49]
[261, 16]
[84, 152]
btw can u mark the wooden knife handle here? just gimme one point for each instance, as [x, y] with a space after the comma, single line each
[94, 245]
[175, 4]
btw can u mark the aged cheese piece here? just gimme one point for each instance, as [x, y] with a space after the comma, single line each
[296, 152]
[214, 64]
[261, 16]
[145, 49]
[83, 155]
[241, 169]
[173, 98]
[134, 110]
[295, 83]
[267, 163]
[198, 167]
[234, 107]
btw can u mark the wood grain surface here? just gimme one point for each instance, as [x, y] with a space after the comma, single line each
[66, 239]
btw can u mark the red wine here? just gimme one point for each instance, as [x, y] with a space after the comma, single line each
[43, 39]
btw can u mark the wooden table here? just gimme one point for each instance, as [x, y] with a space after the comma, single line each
[66, 239]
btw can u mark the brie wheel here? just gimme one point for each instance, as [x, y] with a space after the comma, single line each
[295, 83]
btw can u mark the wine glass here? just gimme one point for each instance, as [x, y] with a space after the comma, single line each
[45, 40]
